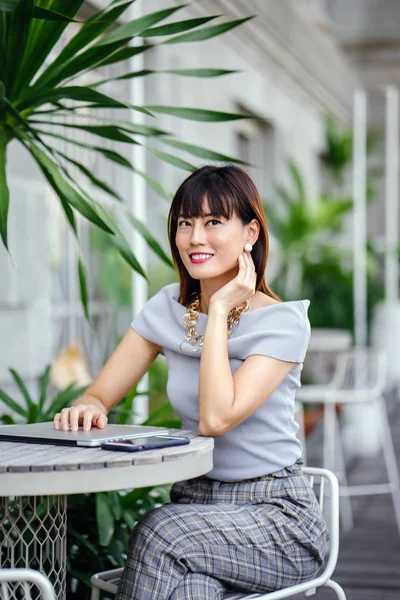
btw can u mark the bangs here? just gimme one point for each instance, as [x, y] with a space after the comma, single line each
[212, 189]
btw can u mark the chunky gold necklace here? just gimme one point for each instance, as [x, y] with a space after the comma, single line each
[191, 318]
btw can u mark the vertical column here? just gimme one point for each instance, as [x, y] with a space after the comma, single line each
[391, 194]
[138, 207]
[360, 215]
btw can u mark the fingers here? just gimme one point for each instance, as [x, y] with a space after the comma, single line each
[81, 414]
[250, 278]
[74, 418]
[100, 420]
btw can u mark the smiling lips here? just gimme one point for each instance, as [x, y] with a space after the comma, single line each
[197, 258]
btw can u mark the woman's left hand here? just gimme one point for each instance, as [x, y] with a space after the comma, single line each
[239, 289]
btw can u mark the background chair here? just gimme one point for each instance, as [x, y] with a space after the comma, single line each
[359, 378]
[25, 579]
[320, 479]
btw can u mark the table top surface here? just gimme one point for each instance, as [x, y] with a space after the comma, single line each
[38, 469]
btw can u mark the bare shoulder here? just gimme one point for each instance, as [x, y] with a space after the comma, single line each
[260, 300]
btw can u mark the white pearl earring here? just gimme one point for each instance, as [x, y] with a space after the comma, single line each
[248, 247]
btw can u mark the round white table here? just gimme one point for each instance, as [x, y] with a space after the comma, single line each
[35, 480]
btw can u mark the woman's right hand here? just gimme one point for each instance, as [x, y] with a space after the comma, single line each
[87, 415]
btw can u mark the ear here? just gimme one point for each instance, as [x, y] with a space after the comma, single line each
[253, 230]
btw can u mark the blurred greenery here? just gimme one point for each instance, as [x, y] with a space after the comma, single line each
[316, 263]
[36, 411]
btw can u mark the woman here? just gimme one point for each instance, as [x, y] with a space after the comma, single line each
[234, 354]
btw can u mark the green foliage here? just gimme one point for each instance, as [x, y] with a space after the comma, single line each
[301, 226]
[328, 284]
[36, 411]
[37, 98]
[315, 264]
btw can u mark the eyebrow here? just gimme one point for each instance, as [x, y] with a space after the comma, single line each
[207, 215]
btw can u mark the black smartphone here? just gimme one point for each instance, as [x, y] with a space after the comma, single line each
[145, 443]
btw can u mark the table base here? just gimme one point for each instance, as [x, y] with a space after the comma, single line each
[33, 534]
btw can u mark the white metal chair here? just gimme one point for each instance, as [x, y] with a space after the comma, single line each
[326, 481]
[25, 578]
[360, 377]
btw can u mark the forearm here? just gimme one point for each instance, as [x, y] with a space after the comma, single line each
[216, 387]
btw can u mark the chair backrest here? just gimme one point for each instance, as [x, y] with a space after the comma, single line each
[25, 579]
[361, 371]
[325, 483]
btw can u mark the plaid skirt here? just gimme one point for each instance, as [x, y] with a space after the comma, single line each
[254, 535]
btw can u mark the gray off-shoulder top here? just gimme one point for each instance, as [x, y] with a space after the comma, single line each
[266, 441]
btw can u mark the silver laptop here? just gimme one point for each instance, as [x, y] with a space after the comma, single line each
[44, 433]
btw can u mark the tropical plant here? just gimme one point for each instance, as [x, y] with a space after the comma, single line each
[338, 155]
[328, 284]
[300, 226]
[38, 95]
[36, 411]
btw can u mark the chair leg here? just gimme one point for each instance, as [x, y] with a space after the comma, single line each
[331, 434]
[346, 513]
[95, 593]
[390, 459]
[336, 588]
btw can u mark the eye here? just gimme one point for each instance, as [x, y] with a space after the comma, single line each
[183, 223]
[214, 222]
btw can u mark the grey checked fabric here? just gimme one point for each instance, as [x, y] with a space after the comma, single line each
[255, 535]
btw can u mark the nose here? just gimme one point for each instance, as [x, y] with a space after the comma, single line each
[198, 236]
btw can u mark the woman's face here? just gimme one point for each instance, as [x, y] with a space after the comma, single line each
[210, 246]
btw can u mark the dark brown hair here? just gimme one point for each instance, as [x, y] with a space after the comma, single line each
[229, 190]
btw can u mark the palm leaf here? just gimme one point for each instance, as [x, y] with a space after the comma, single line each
[83, 286]
[44, 384]
[10, 403]
[154, 245]
[200, 72]
[78, 93]
[177, 27]
[105, 519]
[207, 32]
[197, 114]
[129, 30]
[94, 27]
[118, 159]
[110, 132]
[173, 160]
[18, 380]
[50, 15]
[64, 189]
[89, 174]
[43, 35]
[203, 73]
[17, 41]
[201, 152]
